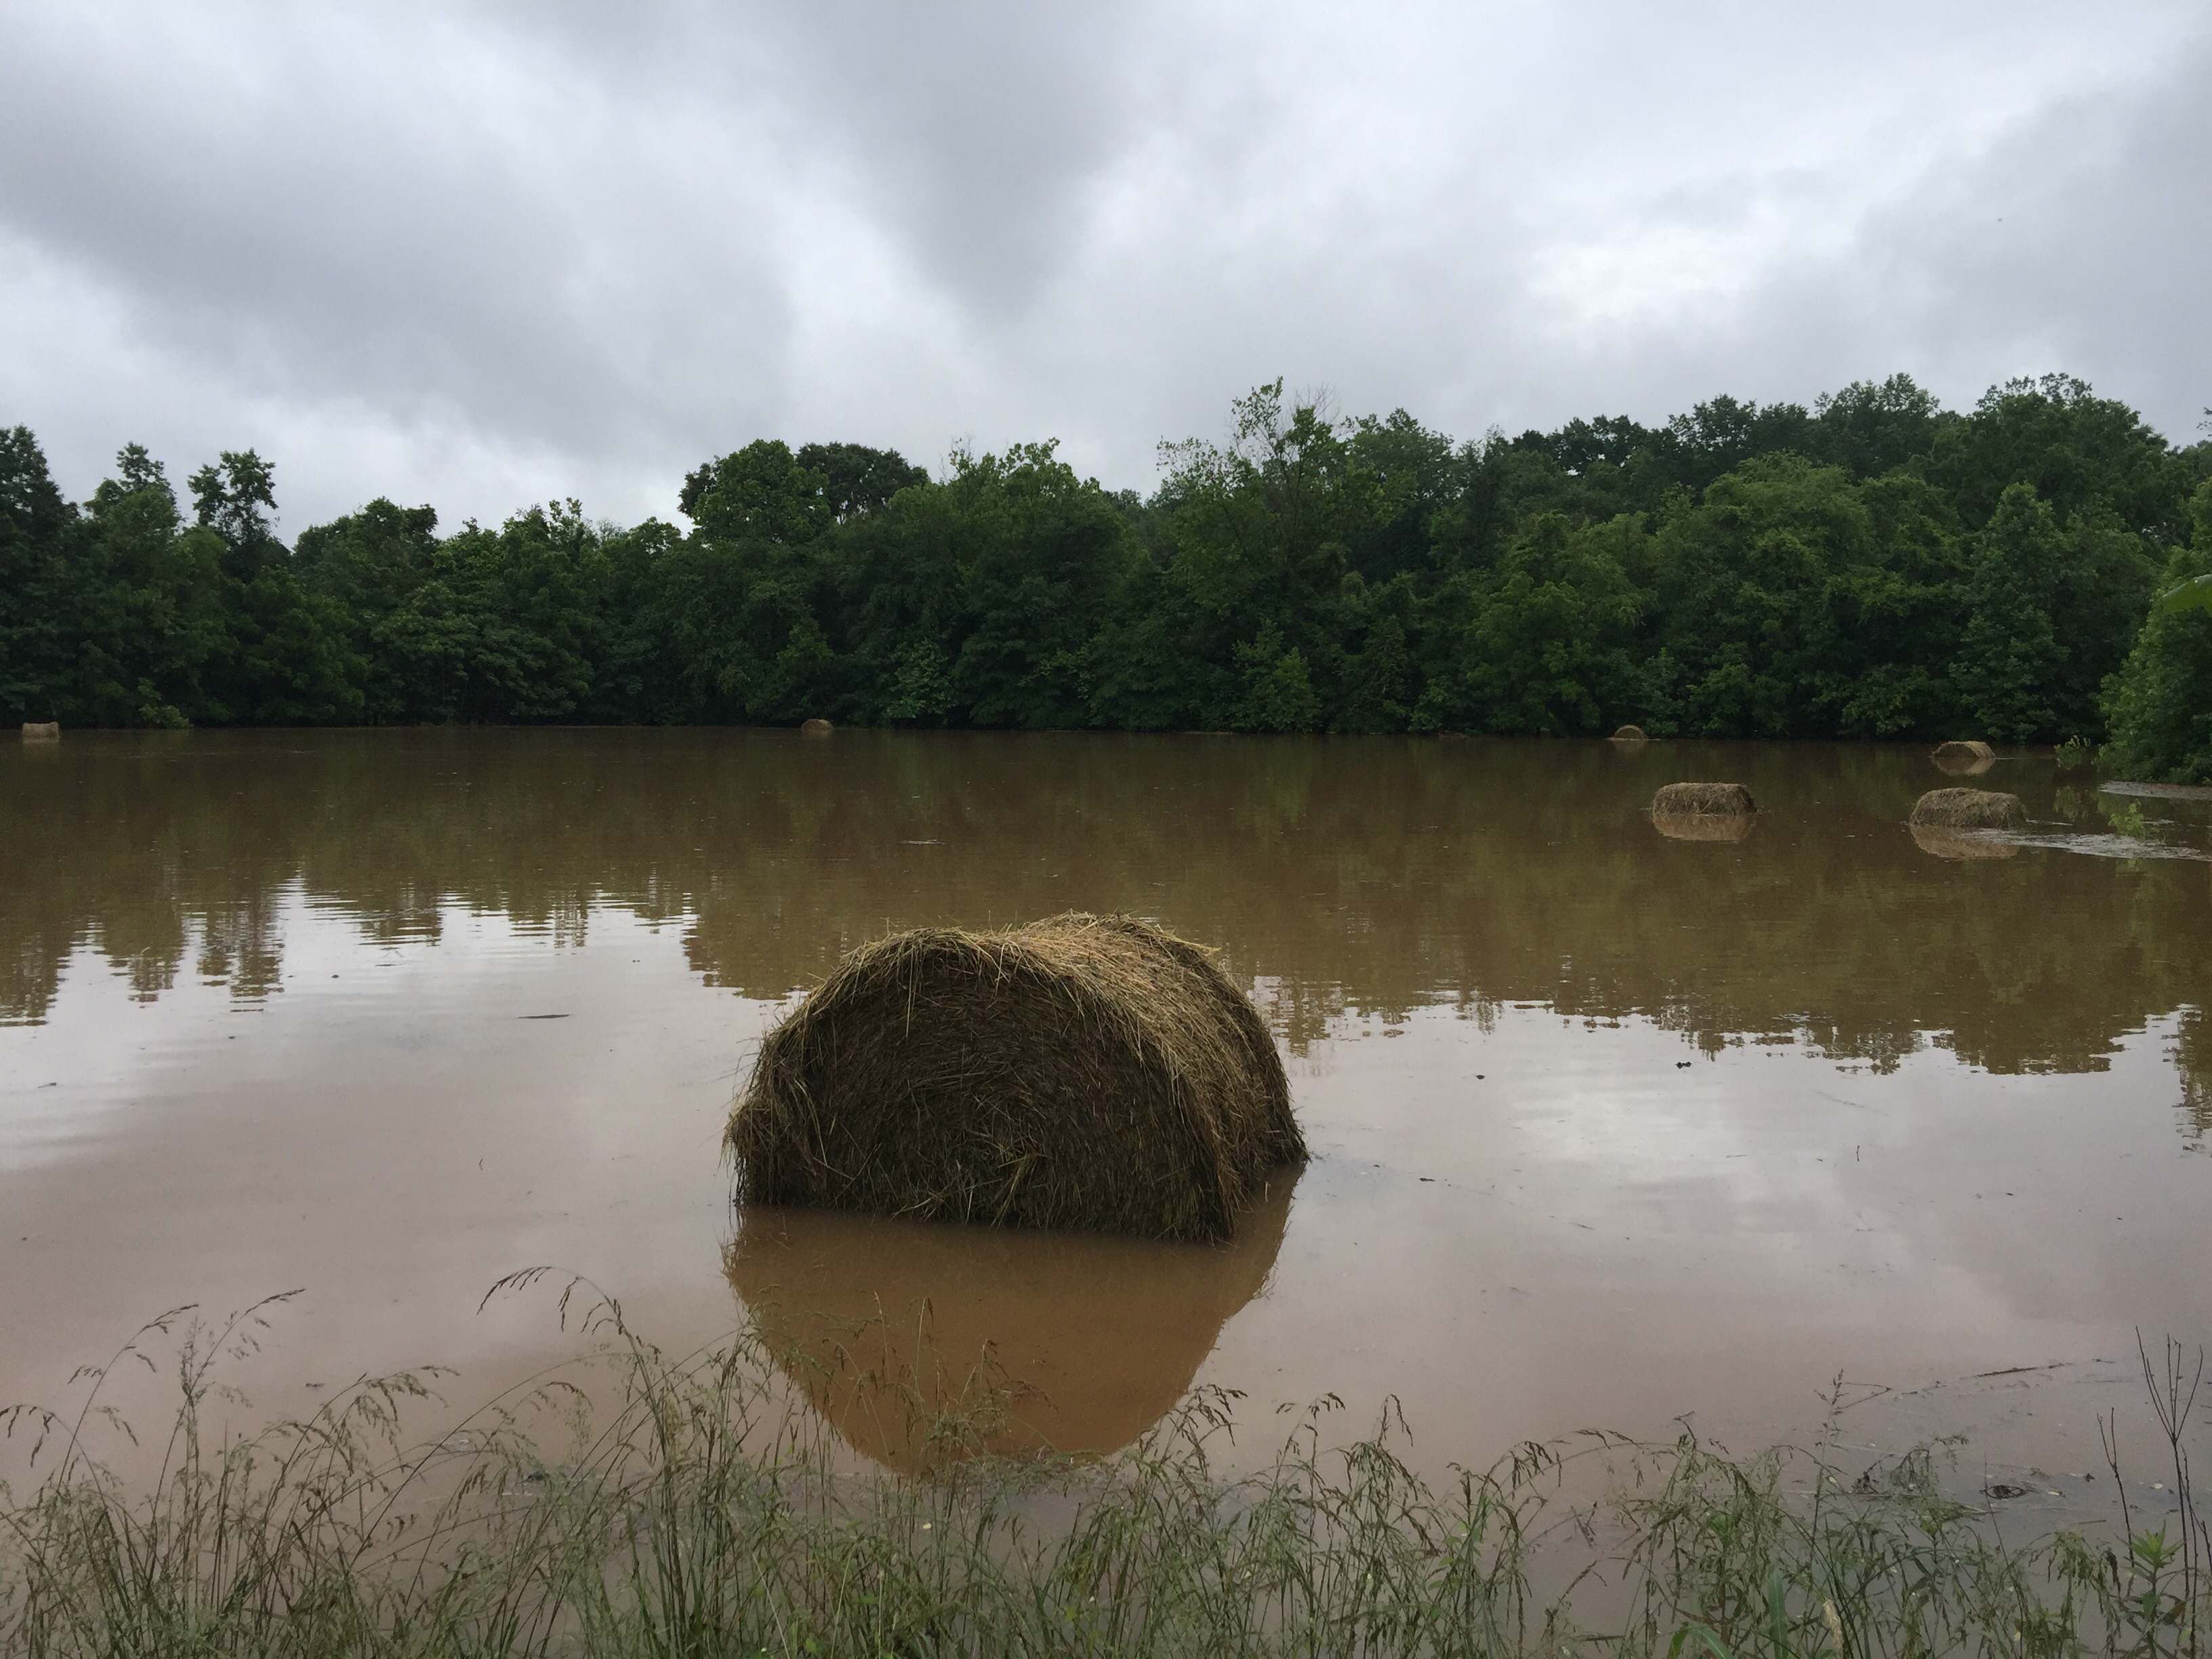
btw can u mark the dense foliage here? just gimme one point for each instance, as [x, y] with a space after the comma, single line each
[1875, 566]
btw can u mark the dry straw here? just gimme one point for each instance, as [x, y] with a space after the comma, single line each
[1969, 809]
[1705, 800]
[1083, 1072]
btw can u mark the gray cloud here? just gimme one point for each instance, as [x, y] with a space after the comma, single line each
[491, 256]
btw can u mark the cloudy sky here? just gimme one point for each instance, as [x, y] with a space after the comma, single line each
[480, 256]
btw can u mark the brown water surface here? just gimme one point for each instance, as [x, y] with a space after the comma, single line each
[1611, 1123]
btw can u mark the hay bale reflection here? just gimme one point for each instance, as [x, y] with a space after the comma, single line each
[1962, 844]
[923, 1343]
[1703, 826]
[1964, 760]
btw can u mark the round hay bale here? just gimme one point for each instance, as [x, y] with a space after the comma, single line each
[1962, 845]
[1969, 809]
[923, 1346]
[1705, 800]
[815, 728]
[1963, 760]
[1631, 734]
[42, 731]
[1092, 1072]
[1703, 826]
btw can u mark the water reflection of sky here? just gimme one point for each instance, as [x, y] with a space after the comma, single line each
[1609, 1128]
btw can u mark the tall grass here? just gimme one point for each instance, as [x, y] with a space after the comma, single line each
[696, 1507]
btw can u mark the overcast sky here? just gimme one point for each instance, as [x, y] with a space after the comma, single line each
[485, 256]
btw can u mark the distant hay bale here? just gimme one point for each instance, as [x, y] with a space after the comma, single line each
[1962, 845]
[1705, 800]
[41, 730]
[1703, 826]
[815, 728]
[1964, 759]
[1969, 809]
[1631, 734]
[1092, 1072]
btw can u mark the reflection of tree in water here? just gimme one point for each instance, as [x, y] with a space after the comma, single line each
[2192, 1059]
[1300, 1013]
[1342, 877]
[239, 947]
[920, 1342]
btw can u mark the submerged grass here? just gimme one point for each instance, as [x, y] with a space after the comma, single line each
[695, 1510]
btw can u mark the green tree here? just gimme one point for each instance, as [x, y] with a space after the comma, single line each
[236, 497]
[1753, 618]
[978, 599]
[1869, 428]
[2074, 448]
[371, 564]
[739, 603]
[1540, 645]
[2009, 655]
[165, 632]
[1278, 695]
[2159, 703]
[43, 588]
[2050, 611]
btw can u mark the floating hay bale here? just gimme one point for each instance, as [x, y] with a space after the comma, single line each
[1962, 845]
[923, 1346]
[1964, 759]
[42, 731]
[1703, 826]
[1083, 1072]
[1705, 800]
[1969, 809]
[1631, 734]
[815, 728]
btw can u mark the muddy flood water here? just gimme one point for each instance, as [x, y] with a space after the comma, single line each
[1611, 1128]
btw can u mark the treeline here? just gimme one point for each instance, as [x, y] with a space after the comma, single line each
[1874, 566]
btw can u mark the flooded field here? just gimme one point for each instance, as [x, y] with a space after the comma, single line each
[1611, 1127]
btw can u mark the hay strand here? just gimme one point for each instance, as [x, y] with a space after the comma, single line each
[1092, 1072]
